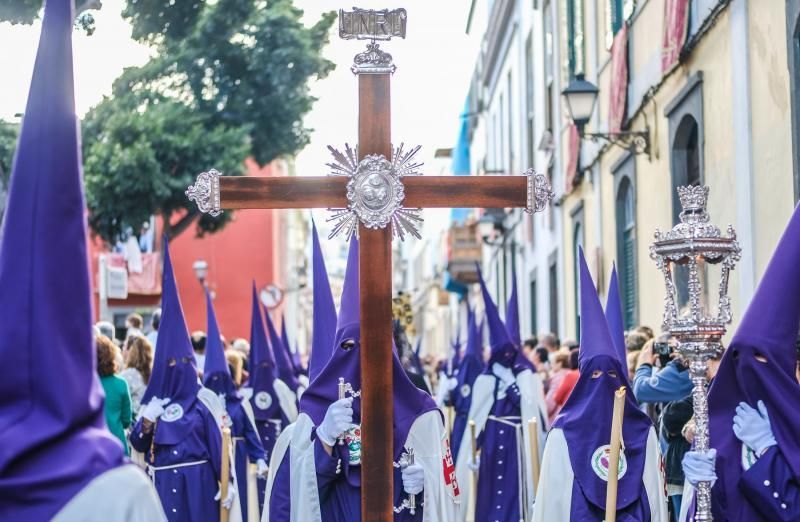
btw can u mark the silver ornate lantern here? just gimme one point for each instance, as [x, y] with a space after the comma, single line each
[693, 257]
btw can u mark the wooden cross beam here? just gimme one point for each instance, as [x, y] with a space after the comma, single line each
[213, 193]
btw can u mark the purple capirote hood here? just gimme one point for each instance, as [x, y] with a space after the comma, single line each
[586, 417]
[53, 435]
[768, 330]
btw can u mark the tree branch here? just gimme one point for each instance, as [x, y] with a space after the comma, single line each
[173, 231]
[85, 5]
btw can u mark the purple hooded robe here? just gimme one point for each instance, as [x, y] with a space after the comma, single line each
[183, 449]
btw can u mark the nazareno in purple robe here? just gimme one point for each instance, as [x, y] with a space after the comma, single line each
[269, 416]
[470, 367]
[339, 481]
[186, 439]
[770, 488]
[53, 435]
[587, 415]
[217, 378]
[500, 441]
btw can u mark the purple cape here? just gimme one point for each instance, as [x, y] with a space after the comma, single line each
[53, 435]
[262, 368]
[768, 329]
[217, 374]
[586, 417]
[174, 370]
[409, 402]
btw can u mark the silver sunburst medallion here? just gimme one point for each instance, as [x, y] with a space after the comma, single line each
[375, 192]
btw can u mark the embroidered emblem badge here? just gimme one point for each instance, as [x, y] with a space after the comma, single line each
[172, 412]
[600, 462]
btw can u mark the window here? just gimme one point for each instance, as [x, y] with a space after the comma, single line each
[548, 66]
[510, 168]
[553, 277]
[617, 12]
[534, 308]
[626, 248]
[793, 46]
[529, 108]
[577, 244]
[685, 160]
[575, 60]
[685, 114]
[576, 213]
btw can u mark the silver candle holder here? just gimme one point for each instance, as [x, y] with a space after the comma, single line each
[687, 255]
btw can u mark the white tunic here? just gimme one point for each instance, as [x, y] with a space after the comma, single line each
[532, 405]
[427, 437]
[554, 495]
[123, 494]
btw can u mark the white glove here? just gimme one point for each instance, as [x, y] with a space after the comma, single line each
[413, 479]
[338, 419]
[475, 464]
[228, 501]
[505, 375]
[154, 409]
[442, 391]
[261, 468]
[699, 467]
[452, 382]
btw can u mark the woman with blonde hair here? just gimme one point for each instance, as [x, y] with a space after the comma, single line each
[138, 367]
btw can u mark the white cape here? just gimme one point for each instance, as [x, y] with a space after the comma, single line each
[286, 398]
[428, 438]
[556, 481]
[123, 494]
[532, 405]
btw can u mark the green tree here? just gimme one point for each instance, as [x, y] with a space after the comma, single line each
[229, 80]
[8, 143]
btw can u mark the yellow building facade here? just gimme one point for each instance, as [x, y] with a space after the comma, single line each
[722, 116]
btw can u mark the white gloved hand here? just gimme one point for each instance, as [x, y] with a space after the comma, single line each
[699, 467]
[442, 391]
[227, 502]
[505, 375]
[452, 382]
[261, 468]
[475, 464]
[154, 409]
[338, 419]
[413, 479]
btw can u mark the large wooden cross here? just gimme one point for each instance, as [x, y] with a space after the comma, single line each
[366, 193]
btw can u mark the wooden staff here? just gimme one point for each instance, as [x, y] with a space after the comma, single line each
[252, 494]
[225, 473]
[474, 476]
[613, 455]
[533, 432]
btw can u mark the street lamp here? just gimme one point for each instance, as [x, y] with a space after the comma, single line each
[200, 268]
[581, 97]
[686, 256]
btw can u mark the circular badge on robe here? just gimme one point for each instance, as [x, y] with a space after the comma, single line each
[465, 390]
[263, 400]
[749, 457]
[353, 440]
[600, 462]
[172, 412]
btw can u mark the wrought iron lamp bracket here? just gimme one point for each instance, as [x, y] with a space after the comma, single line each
[637, 142]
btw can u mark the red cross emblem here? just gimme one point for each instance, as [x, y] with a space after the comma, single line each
[450, 470]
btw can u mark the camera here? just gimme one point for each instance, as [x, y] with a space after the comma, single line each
[664, 351]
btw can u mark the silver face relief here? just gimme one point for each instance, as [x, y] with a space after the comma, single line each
[375, 192]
